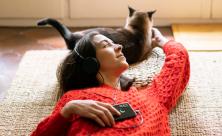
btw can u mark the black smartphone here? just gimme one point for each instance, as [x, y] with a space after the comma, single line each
[126, 111]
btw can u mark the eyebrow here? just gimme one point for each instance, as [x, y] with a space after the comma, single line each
[104, 40]
[99, 44]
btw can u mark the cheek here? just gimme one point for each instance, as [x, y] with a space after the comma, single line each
[106, 59]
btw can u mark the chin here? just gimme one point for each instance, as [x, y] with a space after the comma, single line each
[125, 65]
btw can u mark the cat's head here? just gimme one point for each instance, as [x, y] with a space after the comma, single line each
[139, 19]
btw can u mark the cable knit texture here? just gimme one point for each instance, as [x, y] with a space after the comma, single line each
[154, 103]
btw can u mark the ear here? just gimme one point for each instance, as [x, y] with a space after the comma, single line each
[131, 11]
[150, 14]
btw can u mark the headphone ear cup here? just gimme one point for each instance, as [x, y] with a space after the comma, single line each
[91, 66]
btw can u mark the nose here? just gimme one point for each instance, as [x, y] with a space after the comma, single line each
[118, 47]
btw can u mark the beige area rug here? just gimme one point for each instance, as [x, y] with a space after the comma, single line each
[199, 36]
[34, 92]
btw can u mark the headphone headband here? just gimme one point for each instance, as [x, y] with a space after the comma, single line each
[78, 54]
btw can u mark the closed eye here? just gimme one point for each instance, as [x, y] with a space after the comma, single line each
[106, 43]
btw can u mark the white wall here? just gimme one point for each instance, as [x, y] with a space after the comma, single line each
[107, 12]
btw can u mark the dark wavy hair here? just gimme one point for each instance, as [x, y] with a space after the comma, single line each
[70, 74]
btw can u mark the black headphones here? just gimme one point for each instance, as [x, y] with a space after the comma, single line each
[90, 65]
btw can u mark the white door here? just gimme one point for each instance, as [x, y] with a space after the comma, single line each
[216, 9]
[31, 8]
[118, 8]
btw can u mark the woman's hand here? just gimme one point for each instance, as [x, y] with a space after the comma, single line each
[158, 40]
[100, 112]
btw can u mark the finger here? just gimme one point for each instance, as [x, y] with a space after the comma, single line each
[111, 111]
[153, 34]
[102, 115]
[96, 118]
[157, 39]
[154, 31]
[108, 114]
[111, 108]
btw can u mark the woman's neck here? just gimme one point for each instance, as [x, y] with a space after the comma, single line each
[109, 79]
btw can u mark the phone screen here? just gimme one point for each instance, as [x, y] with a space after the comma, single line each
[126, 111]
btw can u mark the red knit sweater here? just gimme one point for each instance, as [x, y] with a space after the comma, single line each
[154, 103]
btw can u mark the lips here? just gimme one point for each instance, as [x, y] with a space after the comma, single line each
[119, 55]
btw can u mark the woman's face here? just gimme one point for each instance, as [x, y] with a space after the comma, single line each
[109, 54]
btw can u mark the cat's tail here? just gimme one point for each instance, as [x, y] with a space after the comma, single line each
[63, 30]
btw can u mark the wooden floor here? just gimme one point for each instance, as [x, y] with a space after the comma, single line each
[14, 42]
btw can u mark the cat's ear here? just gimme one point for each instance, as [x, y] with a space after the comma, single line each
[131, 11]
[150, 14]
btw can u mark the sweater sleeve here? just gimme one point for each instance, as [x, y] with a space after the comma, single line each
[55, 124]
[169, 84]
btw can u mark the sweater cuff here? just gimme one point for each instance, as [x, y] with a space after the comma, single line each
[59, 123]
[173, 47]
[62, 119]
[167, 44]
